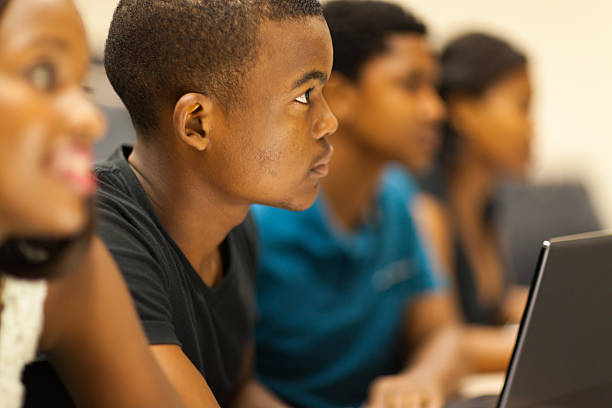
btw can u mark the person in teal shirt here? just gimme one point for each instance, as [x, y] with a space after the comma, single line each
[351, 310]
[332, 302]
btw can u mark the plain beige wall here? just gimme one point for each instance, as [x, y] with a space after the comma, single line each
[97, 15]
[570, 46]
[569, 43]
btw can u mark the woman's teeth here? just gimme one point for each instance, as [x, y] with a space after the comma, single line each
[73, 164]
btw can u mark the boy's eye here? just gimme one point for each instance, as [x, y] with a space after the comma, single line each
[42, 76]
[411, 85]
[305, 98]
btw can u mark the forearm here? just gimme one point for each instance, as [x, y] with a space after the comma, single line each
[440, 358]
[97, 331]
[488, 349]
[255, 395]
[184, 376]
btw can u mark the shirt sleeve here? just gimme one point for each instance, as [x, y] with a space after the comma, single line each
[430, 277]
[134, 253]
[427, 275]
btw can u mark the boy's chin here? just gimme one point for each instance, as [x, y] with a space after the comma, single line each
[297, 202]
[419, 165]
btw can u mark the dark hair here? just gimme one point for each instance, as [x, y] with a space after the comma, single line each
[360, 30]
[159, 50]
[36, 258]
[471, 64]
[41, 258]
[474, 62]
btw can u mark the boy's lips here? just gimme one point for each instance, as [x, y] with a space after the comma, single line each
[72, 163]
[431, 137]
[321, 167]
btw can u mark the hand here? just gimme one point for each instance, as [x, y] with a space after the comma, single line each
[408, 390]
[514, 304]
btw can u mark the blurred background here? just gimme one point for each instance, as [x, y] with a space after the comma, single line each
[569, 45]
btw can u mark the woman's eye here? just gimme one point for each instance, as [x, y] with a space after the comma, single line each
[42, 77]
[305, 98]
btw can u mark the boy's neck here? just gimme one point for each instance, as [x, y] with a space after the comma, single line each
[351, 186]
[196, 215]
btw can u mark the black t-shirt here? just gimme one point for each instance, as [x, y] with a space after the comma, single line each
[213, 326]
[474, 310]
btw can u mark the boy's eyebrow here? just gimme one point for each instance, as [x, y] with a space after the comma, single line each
[51, 42]
[321, 76]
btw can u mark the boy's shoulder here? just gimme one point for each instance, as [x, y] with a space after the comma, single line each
[113, 175]
[399, 184]
[121, 201]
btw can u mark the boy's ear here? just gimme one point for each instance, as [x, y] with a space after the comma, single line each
[342, 96]
[192, 120]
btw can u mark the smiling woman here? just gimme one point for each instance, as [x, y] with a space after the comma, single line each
[47, 128]
[39, 72]
[42, 104]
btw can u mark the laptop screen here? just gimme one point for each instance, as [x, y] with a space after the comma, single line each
[564, 346]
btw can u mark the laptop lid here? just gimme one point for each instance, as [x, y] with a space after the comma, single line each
[564, 345]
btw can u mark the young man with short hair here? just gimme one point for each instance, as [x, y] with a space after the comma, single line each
[351, 311]
[226, 98]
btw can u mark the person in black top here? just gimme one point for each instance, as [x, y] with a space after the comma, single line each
[176, 306]
[487, 90]
[226, 99]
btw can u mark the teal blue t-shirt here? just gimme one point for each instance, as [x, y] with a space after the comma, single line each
[331, 303]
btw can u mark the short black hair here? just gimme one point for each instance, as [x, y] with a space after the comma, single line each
[360, 30]
[473, 62]
[159, 50]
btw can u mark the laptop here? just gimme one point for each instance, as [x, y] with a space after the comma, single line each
[563, 353]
